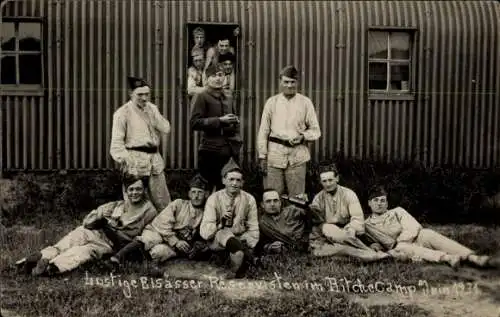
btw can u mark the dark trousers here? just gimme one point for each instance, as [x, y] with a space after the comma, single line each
[210, 164]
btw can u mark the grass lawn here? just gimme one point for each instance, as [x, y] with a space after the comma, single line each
[286, 287]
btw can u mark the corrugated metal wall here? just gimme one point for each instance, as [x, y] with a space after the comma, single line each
[93, 45]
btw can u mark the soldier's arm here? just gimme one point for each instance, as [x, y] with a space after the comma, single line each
[118, 132]
[98, 214]
[199, 122]
[357, 221]
[208, 226]
[264, 130]
[313, 131]
[164, 223]
[410, 226]
[162, 124]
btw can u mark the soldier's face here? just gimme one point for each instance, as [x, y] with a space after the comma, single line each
[135, 192]
[329, 181]
[228, 67]
[198, 61]
[216, 81]
[223, 46]
[378, 205]
[233, 182]
[271, 202]
[197, 196]
[199, 39]
[288, 85]
[140, 95]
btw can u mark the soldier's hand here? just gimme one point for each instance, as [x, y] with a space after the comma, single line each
[227, 214]
[183, 246]
[376, 247]
[229, 118]
[297, 140]
[263, 166]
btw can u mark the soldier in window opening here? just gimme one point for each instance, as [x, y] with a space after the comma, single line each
[135, 140]
[195, 82]
[230, 221]
[199, 40]
[213, 114]
[282, 148]
[223, 46]
[227, 61]
[338, 220]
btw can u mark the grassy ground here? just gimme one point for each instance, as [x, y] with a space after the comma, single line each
[40, 209]
[404, 285]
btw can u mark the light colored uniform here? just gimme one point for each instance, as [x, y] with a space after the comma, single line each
[286, 119]
[82, 245]
[133, 127]
[160, 236]
[196, 82]
[412, 240]
[245, 219]
[337, 213]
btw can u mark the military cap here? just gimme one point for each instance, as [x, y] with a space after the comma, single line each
[197, 51]
[198, 182]
[198, 30]
[226, 57]
[290, 71]
[212, 70]
[230, 166]
[376, 191]
[134, 82]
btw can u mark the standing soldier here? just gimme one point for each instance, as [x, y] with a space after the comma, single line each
[288, 122]
[135, 140]
[213, 114]
[195, 82]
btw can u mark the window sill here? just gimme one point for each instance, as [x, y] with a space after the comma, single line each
[21, 90]
[391, 96]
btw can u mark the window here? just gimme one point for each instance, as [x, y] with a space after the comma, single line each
[21, 54]
[211, 44]
[390, 61]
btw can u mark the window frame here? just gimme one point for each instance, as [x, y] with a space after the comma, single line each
[376, 94]
[27, 89]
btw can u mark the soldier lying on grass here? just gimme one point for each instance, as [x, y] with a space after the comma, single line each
[104, 231]
[398, 232]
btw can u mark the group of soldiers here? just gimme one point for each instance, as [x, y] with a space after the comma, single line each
[219, 216]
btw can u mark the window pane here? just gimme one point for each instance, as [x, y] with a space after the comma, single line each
[377, 44]
[400, 45]
[378, 76]
[400, 77]
[8, 70]
[30, 69]
[8, 36]
[29, 36]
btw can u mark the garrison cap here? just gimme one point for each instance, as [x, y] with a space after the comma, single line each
[212, 70]
[230, 166]
[290, 71]
[135, 82]
[376, 191]
[198, 30]
[198, 182]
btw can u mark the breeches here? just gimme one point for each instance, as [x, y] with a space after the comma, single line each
[77, 247]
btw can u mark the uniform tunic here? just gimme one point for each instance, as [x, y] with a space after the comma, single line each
[82, 244]
[245, 219]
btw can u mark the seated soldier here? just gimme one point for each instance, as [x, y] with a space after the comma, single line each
[230, 221]
[281, 227]
[338, 221]
[174, 232]
[104, 231]
[404, 237]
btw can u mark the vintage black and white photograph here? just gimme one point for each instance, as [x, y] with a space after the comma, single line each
[249, 158]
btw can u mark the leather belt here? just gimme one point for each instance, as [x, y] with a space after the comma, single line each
[145, 149]
[282, 142]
